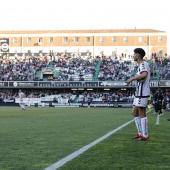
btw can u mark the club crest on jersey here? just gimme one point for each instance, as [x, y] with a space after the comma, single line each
[139, 101]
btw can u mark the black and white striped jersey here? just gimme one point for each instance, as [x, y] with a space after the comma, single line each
[143, 86]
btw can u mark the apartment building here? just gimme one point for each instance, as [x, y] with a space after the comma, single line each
[95, 42]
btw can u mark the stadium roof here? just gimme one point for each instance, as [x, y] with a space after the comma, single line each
[82, 31]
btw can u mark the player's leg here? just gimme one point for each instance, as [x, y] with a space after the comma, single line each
[159, 112]
[20, 104]
[144, 120]
[156, 107]
[160, 108]
[135, 113]
[88, 104]
[23, 106]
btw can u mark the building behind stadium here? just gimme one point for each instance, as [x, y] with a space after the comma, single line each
[89, 42]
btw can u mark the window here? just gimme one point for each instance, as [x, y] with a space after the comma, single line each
[87, 53]
[87, 39]
[51, 40]
[102, 52]
[101, 39]
[29, 51]
[65, 39]
[40, 40]
[113, 53]
[76, 39]
[50, 52]
[160, 39]
[15, 40]
[125, 39]
[140, 39]
[114, 39]
[160, 53]
[29, 40]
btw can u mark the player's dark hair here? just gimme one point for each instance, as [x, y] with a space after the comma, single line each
[140, 51]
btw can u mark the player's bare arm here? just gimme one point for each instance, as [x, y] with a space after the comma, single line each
[142, 76]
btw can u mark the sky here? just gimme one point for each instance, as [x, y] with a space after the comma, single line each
[85, 14]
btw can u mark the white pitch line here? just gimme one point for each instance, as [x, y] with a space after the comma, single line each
[157, 120]
[80, 151]
[68, 158]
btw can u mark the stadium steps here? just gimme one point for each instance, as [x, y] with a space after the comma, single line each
[95, 77]
[134, 73]
[75, 100]
[156, 76]
[38, 74]
[57, 73]
[149, 62]
[45, 79]
[51, 64]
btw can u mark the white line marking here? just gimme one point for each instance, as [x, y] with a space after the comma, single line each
[68, 158]
[157, 120]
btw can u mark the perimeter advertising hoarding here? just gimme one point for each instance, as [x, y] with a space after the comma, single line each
[77, 84]
[23, 84]
[3, 84]
[68, 84]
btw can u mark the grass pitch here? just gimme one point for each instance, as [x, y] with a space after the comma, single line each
[39, 137]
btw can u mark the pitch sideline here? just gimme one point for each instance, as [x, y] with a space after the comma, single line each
[157, 120]
[68, 158]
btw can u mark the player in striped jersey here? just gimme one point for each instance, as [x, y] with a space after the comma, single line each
[141, 97]
[21, 96]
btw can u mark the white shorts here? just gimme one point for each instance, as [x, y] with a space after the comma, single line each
[21, 101]
[140, 102]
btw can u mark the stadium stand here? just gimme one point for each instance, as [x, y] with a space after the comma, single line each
[76, 68]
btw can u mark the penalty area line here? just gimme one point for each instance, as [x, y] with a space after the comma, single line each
[68, 158]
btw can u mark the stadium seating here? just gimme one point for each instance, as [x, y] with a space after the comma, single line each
[77, 69]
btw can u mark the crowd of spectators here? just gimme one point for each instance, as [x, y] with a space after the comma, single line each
[6, 95]
[77, 68]
[110, 96]
[115, 70]
[21, 69]
[160, 67]
[114, 96]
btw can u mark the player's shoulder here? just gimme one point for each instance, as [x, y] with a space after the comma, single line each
[144, 62]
